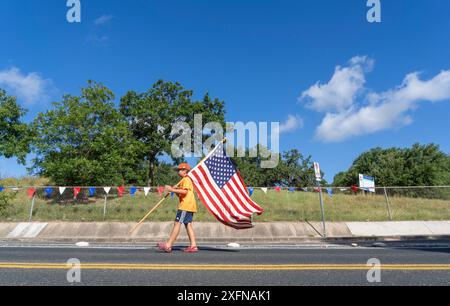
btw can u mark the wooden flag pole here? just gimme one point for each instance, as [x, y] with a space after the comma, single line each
[147, 215]
[160, 203]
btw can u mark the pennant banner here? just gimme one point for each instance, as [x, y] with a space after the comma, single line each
[292, 189]
[278, 189]
[120, 191]
[61, 190]
[330, 192]
[1, 189]
[264, 190]
[91, 192]
[161, 191]
[31, 192]
[146, 190]
[48, 192]
[107, 189]
[76, 191]
[251, 191]
[133, 191]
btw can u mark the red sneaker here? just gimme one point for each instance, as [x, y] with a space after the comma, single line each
[163, 247]
[191, 250]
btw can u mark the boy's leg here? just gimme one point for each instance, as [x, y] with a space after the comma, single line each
[191, 234]
[174, 234]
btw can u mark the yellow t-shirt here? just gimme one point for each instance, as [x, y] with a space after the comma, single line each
[187, 202]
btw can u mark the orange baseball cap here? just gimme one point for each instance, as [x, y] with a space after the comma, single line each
[184, 166]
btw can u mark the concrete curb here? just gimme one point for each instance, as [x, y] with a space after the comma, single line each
[262, 233]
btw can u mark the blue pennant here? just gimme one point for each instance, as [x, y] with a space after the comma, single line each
[330, 192]
[133, 191]
[48, 192]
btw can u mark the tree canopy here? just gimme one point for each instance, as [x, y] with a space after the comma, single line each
[84, 140]
[13, 132]
[420, 165]
[293, 170]
[152, 114]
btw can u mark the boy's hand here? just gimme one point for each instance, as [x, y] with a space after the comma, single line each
[169, 188]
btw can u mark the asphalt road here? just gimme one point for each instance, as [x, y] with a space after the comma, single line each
[215, 266]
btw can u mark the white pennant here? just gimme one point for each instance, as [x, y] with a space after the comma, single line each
[107, 189]
[265, 190]
[146, 190]
[61, 190]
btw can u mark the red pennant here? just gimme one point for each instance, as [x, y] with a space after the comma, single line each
[161, 191]
[76, 191]
[31, 192]
[355, 189]
[121, 190]
[317, 189]
[278, 189]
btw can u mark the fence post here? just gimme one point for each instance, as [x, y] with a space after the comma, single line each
[32, 207]
[322, 209]
[104, 208]
[388, 204]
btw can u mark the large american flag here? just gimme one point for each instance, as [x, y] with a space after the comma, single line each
[222, 190]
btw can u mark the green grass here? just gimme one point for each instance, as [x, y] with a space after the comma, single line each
[282, 206]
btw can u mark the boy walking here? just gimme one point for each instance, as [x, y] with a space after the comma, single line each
[186, 210]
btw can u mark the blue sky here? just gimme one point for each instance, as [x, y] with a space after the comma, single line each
[346, 84]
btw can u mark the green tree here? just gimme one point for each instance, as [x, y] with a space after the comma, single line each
[152, 114]
[293, 170]
[420, 165]
[14, 140]
[84, 141]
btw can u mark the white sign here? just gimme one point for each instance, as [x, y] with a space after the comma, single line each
[367, 183]
[317, 170]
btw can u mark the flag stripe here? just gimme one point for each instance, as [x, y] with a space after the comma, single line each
[241, 185]
[243, 195]
[206, 195]
[219, 200]
[237, 194]
[258, 208]
[221, 195]
[222, 190]
[229, 192]
[216, 215]
[217, 210]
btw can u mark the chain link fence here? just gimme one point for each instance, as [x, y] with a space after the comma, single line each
[280, 204]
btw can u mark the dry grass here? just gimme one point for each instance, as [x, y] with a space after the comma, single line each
[282, 206]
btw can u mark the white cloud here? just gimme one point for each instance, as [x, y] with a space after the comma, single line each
[340, 92]
[30, 88]
[291, 124]
[382, 111]
[102, 20]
